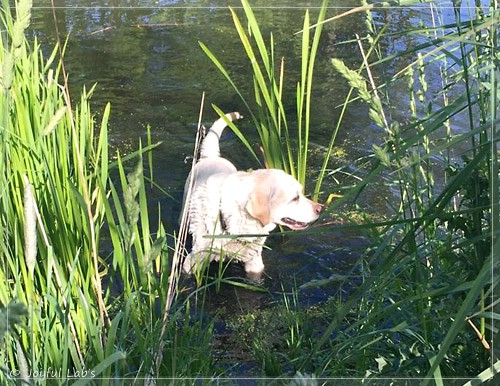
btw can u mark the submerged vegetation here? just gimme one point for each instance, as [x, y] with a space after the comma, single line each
[84, 276]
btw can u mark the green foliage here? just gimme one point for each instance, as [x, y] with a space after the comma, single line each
[63, 203]
[435, 263]
[84, 274]
[425, 305]
[266, 105]
[50, 211]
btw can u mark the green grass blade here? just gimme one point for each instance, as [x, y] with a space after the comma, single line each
[96, 371]
[482, 279]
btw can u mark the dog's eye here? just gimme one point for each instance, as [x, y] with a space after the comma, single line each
[296, 198]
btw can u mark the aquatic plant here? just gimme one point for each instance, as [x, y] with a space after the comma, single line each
[82, 273]
[283, 147]
[52, 166]
[425, 304]
[428, 279]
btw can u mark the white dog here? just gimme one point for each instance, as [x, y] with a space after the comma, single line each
[229, 204]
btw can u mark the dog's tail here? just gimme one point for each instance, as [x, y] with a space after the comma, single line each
[210, 144]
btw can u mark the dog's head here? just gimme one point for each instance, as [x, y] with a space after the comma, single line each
[277, 199]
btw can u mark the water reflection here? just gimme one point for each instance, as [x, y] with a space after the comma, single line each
[145, 58]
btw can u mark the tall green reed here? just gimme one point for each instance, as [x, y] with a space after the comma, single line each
[431, 271]
[63, 205]
[440, 241]
[48, 189]
[283, 146]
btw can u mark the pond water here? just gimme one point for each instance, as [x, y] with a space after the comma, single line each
[145, 58]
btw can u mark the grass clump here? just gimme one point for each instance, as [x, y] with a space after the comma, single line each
[284, 145]
[70, 310]
[427, 290]
[425, 304]
[53, 168]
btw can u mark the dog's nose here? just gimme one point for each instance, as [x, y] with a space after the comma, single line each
[318, 208]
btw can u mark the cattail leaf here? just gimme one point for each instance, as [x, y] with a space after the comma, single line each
[30, 248]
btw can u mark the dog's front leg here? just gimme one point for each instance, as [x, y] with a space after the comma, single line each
[254, 266]
[189, 263]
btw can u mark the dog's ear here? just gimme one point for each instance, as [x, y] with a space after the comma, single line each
[259, 201]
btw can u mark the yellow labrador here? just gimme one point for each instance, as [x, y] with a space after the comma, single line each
[230, 204]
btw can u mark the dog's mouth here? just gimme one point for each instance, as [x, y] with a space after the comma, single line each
[293, 224]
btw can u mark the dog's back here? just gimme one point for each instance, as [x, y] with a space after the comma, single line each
[210, 162]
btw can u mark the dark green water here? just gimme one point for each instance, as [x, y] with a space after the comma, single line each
[145, 58]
